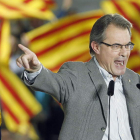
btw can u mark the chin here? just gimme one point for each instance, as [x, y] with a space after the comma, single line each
[120, 73]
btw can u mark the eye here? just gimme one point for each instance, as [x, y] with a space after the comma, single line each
[128, 46]
[116, 46]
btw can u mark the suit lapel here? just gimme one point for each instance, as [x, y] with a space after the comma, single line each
[99, 84]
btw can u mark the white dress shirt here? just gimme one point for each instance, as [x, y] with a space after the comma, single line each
[119, 124]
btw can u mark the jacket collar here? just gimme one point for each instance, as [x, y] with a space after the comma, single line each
[99, 84]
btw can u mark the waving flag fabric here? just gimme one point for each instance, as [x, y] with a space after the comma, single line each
[13, 9]
[4, 41]
[130, 9]
[65, 40]
[19, 105]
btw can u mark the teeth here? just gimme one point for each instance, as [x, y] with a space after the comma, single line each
[122, 63]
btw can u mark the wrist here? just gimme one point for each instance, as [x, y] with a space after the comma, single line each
[34, 70]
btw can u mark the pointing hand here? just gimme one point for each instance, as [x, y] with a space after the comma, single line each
[28, 60]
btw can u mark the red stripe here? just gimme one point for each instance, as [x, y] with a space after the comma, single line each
[44, 9]
[134, 53]
[125, 15]
[15, 95]
[13, 8]
[27, 1]
[9, 7]
[49, 2]
[136, 69]
[136, 5]
[5, 107]
[60, 43]
[72, 59]
[56, 29]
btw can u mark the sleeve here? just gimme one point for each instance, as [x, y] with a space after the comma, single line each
[60, 85]
[29, 78]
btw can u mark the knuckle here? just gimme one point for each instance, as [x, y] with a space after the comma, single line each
[23, 57]
[33, 54]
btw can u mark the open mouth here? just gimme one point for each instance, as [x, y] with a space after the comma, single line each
[119, 62]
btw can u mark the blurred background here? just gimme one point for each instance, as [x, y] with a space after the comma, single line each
[57, 31]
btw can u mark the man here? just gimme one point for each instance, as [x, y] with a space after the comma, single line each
[82, 87]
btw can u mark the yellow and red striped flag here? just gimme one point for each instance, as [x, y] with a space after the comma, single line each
[17, 111]
[15, 9]
[130, 9]
[20, 9]
[18, 103]
[65, 40]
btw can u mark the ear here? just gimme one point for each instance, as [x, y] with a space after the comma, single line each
[95, 46]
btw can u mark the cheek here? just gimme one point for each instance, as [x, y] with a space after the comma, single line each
[128, 54]
[109, 57]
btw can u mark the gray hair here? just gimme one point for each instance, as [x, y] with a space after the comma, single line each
[98, 29]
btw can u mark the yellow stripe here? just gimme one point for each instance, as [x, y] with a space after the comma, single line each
[133, 62]
[10, 123]
[108, 7]
[5, 45]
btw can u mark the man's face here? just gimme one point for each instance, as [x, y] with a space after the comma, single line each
[114, 61]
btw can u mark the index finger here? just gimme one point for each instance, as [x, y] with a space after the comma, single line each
[24, 49]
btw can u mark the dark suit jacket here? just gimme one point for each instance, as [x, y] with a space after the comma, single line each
[83, 93]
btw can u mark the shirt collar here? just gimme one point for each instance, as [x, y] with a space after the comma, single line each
[105, 73]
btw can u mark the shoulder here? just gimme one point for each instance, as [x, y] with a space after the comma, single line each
[131, 74]
[73, 65]
[73, 68]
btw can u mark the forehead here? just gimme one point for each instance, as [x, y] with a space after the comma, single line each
[115, 34]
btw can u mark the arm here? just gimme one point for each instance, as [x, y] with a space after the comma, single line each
[60, 85]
